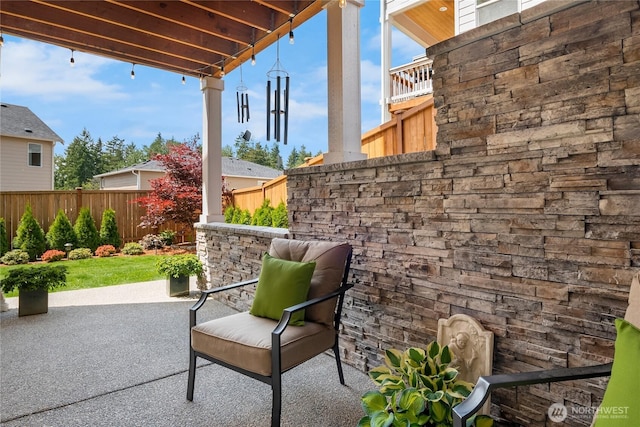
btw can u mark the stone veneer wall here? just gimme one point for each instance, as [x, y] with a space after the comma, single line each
[526, 217]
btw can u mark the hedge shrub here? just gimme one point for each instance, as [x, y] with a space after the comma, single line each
[30, 236]
[61, 232]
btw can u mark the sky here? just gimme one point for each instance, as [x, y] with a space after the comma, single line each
[99, 95]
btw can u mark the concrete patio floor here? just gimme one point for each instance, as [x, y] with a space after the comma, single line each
[118, 356]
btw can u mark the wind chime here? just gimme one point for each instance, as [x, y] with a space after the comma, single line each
[242, 101]
[279, 108]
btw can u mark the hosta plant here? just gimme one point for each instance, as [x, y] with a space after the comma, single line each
[416, 387]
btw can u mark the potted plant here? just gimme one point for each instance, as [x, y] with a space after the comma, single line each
[417, 387]
[33, 284]
[178, 268]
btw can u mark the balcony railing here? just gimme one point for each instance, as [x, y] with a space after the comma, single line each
[411, 80]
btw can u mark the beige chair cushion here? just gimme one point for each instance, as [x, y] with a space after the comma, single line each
[633, 311]
[330, 258]
[244, 340]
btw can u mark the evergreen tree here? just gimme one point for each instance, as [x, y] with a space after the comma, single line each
[61, 232]
[296, 158]
[86, 230]
[253, 151]
[227, 151]
[279, 216]
[30, 236]
[80, 163]
[4, 238]
[109, 229]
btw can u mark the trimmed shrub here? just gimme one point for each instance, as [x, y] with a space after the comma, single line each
[109, 229]
[262, 215]
[52, 255]
[245, 217]
[105, 251]
[132, 248]
[237, 213]
[228, 214]
[279, 216]
[167, 237]
[16, 256]
[4, 238]
[151, 241]
[86, 230]
[80, 253]
[30, 236]
[61, 232]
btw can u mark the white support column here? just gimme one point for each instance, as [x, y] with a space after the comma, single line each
[343, 64]
[385, 62]
[211, 149]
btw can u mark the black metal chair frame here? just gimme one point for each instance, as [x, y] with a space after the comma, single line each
[485, 385]
[275, 380]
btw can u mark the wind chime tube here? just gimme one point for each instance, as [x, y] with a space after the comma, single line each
[247, 104]
[238, 95]
[286, 109]
[277, 119]
[268, 109]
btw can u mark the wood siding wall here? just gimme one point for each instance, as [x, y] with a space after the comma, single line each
[15, 172]
[45, 206]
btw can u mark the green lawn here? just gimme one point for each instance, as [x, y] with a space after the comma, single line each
[98, 272]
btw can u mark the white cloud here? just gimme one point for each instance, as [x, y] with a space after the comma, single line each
[35, 69]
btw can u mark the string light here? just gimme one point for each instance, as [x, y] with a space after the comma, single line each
[72, 61]
[253, 54]
[184, 81]
[133, 73]
[291, 39]
[222, 69]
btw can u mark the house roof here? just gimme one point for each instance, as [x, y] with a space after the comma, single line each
[21, 122]
[231, 167]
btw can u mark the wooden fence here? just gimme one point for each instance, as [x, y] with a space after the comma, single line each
[407, 132]
[45, 206]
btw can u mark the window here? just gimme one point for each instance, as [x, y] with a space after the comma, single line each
[35, 154]
[490, 10]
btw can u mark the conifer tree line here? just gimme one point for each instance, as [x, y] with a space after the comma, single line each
[85, 157]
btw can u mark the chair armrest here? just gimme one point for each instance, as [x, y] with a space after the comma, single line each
[205, 294]
[287, 312]
[485, 385]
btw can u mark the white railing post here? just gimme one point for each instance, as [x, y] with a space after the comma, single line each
[411, 80]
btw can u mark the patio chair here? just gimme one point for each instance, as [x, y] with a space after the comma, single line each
[282, 329]
[621, 391]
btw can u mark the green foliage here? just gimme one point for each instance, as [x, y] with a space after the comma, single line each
[245, 217]
[297, 157]
[34, 278]
[132, 248]
[16, 256]
[255, 152]
[61, 232]
[279, 216]
[179, 265]
[4, 238]
[52, 255]
[81, 162]
[228, 214]
[167, 237]
[262, 215]
[86, 231]
[80, 253]
[109, 229]
[30, 236]
[417, 387]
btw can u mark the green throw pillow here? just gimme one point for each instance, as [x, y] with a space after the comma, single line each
[620, 406]
[282, 283]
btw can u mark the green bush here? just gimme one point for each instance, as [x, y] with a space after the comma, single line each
[262, 215]
[34, 278]
[245, 217]
[132, 248]
[4, 238]
[237, 213]
[279, 216]
[86, 230]
[81, 253]
[179, 265]
[16, 256]
[109, 229]
[61, 232]
[167, 237]
[228, 214]
[30, 236]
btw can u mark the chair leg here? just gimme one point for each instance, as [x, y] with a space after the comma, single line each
[336, 351]
[276, 386]
[192, 374]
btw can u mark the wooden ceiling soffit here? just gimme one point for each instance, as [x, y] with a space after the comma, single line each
[187, 37]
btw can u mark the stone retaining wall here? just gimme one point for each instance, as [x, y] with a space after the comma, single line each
[526, 217]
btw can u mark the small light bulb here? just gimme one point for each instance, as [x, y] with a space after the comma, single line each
[133, 73]
[291, 39]
[253, 59]
[184, 81]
